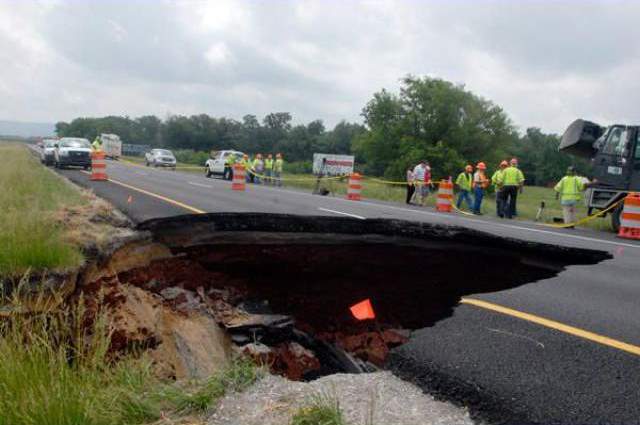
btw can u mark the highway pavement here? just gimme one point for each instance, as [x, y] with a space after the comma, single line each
[561, 350]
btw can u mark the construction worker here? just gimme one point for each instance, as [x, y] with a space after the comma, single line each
[494, 180]
[511, 181]
[464, 183]
[421, 191]
[480, 183]
[411, 188]
[569, 190]
[278, 165]
[229, 162]
[246, 164]
[258, 168]
[268, 169]
[97, 144]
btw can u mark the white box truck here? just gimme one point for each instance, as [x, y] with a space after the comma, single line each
[111, 145]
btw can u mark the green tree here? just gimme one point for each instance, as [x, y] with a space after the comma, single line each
[435, 120]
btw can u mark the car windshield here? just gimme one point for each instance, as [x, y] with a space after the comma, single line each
[75, 143]
[163, 152]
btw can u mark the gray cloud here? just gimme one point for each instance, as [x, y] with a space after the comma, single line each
[545, 62]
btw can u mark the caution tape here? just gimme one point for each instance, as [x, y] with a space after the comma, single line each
[456, 209]
[403, 183]
[586, 219]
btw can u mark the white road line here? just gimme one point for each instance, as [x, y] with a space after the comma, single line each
[200, 185]
[342, 213]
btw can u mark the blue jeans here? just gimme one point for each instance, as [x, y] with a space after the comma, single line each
[464, 195]
[478, 194]
[499, 205]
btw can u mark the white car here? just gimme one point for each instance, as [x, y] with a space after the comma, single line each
[74, 151]
[160, 158]
[215, 164]
[48, 151]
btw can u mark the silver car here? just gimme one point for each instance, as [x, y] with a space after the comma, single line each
[48, 151]
[160, 158]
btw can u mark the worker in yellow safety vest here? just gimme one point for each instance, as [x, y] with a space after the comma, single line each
[97, 144]
[498, 188]
[229, 162]
[569, 190]
[278, 165]
[258, 168]
[268, 169]
[511, 181]
[464, 183]
[246, 164]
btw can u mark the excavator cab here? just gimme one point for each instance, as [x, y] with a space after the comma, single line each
[614, 152]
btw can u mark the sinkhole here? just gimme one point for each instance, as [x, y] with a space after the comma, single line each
[313, 269]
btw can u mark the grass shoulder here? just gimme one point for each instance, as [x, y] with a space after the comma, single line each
[30, 235]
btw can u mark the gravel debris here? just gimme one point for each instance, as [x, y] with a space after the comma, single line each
[391, 401]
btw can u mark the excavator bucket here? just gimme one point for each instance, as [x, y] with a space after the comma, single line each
[580, 137]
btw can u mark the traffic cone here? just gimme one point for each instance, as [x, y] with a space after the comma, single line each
[238, 182]
[98, 166]
[444, 200]
[630, 217]
[355, 187]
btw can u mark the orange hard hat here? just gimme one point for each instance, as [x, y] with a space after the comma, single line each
[469, 167]
[481, 166]
[504, 164]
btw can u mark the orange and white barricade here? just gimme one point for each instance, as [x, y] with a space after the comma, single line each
[444, 200]
[238, 181]
[355, 187]
[98, 166]
[630, 217]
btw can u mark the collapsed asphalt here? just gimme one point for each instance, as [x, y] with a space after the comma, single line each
[495, 364]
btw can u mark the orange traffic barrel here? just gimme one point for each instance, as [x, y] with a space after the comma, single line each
[355, 187]
[98, 166]
[444, 199]
[630, 218]
[238, 181]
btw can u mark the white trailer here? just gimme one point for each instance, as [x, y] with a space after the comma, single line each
[111, 145]
[332, 165]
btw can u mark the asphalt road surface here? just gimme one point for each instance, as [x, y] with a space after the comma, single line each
[561, 350]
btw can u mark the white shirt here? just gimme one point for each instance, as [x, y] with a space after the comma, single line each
[418, 172]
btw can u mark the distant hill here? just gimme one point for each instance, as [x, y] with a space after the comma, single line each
[26, 129]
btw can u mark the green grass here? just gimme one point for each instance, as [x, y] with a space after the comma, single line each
[30, 193]
[201, 396]
[56, 370]
[321, 410]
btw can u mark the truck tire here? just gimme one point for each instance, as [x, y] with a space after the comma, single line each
[615, 217]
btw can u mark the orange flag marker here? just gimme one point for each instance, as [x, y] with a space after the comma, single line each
[363, 310]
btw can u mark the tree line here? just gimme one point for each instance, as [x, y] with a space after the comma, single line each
[428, 118]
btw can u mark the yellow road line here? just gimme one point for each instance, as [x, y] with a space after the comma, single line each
[581, 333]
[155, 195]
[162, 198]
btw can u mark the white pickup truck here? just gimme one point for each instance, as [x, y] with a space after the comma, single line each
[216, 161]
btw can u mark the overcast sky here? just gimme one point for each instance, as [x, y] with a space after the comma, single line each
[544, 62]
